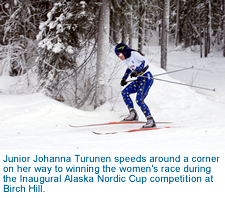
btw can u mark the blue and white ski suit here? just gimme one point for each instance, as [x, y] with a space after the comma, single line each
[140, 86]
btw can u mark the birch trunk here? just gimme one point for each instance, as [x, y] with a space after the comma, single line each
[131, 31]
[102, 54]
[165, 30]
[116, 29]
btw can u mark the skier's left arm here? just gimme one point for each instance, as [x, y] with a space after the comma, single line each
[143, 63]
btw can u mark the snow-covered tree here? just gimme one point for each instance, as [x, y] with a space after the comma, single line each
[68, 30]
[19, 30]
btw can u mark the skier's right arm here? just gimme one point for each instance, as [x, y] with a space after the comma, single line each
[127, 73]
[125, 76]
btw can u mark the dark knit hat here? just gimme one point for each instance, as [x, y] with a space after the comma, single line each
[121, 48]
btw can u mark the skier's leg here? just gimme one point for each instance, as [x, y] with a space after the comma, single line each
[143, 89]
[130, 89]
[145, 85]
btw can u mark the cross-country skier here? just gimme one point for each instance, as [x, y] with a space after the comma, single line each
[137, 67]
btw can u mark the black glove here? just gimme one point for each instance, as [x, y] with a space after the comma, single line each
[134, 73]
[123, 82]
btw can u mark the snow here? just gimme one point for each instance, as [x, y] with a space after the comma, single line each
[69, 49]
[58, 47]
[31, 121]
[34, 124]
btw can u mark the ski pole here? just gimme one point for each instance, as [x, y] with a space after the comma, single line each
[168, 72]
[176, 83]
[184, 84]
[174, 71]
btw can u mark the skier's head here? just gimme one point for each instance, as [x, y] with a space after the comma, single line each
[121, 48]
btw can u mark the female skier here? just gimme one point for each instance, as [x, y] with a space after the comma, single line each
[137, 67]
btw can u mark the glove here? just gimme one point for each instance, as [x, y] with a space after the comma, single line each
[123, 82]
[134, 73]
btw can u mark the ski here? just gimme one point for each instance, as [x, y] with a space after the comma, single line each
[114, 123]
[129, 131]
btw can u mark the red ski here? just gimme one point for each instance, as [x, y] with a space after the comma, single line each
[129, 131]
[121, 122]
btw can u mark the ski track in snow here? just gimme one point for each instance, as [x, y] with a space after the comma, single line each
[38, 122]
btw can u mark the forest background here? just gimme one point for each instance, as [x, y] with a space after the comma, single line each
[61, 47]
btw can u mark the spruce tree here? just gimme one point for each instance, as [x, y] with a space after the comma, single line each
[68, 29]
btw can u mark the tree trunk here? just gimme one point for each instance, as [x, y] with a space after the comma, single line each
[124, 25]
[165, 30]
[124, 31]
[116, 28]
[224, 29]
[177, 35]
[159, 16]
[131, 31]
[210, 28]
[186, 27]
[102, 54]
[141, 29]
[200, 35]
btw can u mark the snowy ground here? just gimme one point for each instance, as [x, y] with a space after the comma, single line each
[36, 122]
[37, 125]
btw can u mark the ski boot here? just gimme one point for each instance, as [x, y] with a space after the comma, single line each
[132, 116]
[150, 122]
